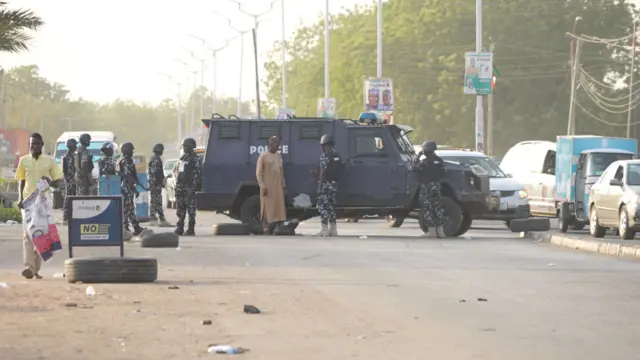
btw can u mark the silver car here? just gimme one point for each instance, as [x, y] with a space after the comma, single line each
[614, 200]
[169, 192]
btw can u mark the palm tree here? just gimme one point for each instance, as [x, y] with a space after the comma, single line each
[14, 24]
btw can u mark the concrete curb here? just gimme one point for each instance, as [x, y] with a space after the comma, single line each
[595, 246]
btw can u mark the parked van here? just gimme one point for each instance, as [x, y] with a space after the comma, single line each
[533, 164]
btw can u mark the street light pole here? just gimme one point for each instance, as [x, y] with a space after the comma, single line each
[379, 39]
[180, 100]
[284, 61]
[326, 50]
[172, 81]
[479, 111]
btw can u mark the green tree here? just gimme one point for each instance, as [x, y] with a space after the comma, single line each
[424, 48]
[15, 25]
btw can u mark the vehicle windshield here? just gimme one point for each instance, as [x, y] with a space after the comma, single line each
[599, 162]
[403, 141]
[94, 150]
[170, 164]
[633, 175]
[481, 165]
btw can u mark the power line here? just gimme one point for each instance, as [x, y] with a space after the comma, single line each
[599, 119]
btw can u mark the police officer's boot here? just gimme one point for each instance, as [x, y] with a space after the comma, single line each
[333, 229]
[324, 231]
[179, 228]
[191, 231]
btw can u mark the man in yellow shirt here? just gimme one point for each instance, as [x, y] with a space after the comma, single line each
[31, 169]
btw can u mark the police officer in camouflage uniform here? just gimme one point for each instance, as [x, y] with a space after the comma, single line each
[188, 175]
[106, 164]
[127, 169]
[430, 172]
[328, 174]
[83, 163]
[156, 183]
[69, 172]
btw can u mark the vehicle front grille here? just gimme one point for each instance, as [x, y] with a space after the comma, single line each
[507, 193]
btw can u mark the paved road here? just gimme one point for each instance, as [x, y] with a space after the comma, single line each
[542, 302]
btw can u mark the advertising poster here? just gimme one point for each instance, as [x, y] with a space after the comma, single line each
[284, 114]
[378, 98]
[326, 108]
[96, 222]
[478, 73]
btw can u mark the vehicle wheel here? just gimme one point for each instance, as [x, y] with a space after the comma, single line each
[595, 229]
[161, 240]
[454, 217]
[563, 223]
[626, 233]
[250, 214]
[508, 223]
[58, 200]
[467, 220]
[577, 227]
[231, 229]
[394, 221]
[111, 270]
[352, 220]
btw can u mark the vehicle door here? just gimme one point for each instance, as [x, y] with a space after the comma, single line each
[582, 192]
[611, 198]
[547, 183]
[368, 178]
[599, 189]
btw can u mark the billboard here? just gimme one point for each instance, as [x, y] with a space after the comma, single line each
[378, 97]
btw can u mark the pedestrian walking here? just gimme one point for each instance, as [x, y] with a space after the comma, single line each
[328, 176]
[84, 166]
[188, 182]
[107, 164]
[156, 183]
[430, 171]
[32, 168]
[129, 180]
[270, 176]
[69, 173]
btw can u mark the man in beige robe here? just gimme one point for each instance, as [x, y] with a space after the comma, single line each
[272, 187]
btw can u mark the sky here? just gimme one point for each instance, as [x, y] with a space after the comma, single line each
[105, 50]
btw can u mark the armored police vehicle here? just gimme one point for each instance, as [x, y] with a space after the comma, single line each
[375, 177]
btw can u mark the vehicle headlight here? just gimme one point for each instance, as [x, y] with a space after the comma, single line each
[472, 180]
[523, 194]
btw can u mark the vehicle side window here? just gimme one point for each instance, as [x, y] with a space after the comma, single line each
[619, 173]
[366, 142]
[549, 165]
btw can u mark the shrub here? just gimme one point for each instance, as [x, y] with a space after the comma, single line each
[7, 214]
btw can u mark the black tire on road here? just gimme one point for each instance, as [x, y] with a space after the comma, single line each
[595, 229]
[577, 227]
[624, 231]
[161, 240]
[111, 270]
[250, 214]
[394, 221]
[563, 218]
[467, 220]
[231, 229]
[454, 217]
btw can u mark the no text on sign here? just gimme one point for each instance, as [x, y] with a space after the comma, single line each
[96, 221]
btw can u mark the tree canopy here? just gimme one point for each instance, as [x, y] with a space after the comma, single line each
[34, 103]
[15, 25]
[424, 47]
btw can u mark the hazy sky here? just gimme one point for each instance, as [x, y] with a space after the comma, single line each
[103, 50]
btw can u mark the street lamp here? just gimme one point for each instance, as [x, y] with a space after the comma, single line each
[172, 81]
[201, 78]
[186, 70]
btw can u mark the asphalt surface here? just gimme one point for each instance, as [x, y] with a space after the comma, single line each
[542, 302]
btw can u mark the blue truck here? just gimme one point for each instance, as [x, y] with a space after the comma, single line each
[580, 160]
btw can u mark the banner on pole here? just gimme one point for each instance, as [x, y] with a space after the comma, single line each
[478, 73]
[378, 98]
[326, 108]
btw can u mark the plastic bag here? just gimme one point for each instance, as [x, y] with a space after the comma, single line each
[302, 201]
[37, 219]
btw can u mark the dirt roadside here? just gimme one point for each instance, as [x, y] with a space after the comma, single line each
[51, 319]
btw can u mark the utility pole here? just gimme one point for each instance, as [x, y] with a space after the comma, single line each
[490, 114]
[379, 41]
[326, 50]
[571, 125]
[255, 57]
[192, 99]
[284, 61]
[479, 138]
[633, 70]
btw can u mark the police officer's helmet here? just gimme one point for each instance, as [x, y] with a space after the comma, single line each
[107, 145]
[429, 147]
[85, 139]
[72, 143]
[158, 148]
[127, 148]
[191, 142]
[326, 139]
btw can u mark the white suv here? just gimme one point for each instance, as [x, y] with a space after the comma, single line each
[514, 201]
